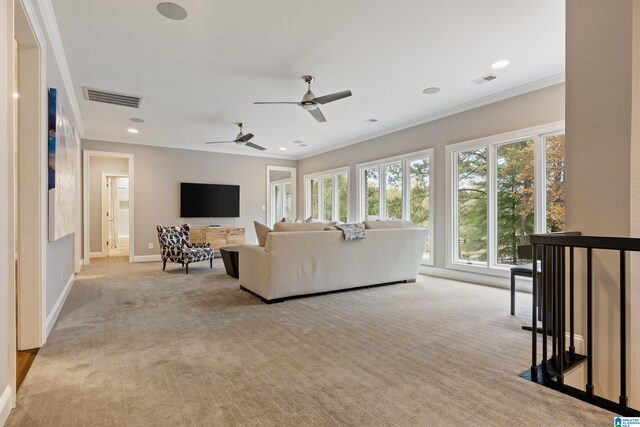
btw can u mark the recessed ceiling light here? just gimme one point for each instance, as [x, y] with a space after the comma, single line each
[297, 141]
[132, 130]
[136, 120]
[302, 145]
[283, 148]
[500, 64]
[431, 90]
[171, 11]
[16, 95]
[369, 121]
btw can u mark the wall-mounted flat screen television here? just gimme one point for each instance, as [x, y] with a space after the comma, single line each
[209, 200]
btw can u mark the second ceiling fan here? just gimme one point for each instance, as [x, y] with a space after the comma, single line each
[311, 102]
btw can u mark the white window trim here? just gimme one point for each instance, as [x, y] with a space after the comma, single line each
[380, 164]
[272, 195]
[538, 135]
[335, 211]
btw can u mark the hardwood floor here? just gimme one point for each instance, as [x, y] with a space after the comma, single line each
[24, 360]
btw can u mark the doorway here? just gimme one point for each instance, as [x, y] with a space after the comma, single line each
[108, 186]
[281, 194]
[27, 197]
[115, 218]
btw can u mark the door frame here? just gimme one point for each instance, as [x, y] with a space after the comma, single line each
[86, 173]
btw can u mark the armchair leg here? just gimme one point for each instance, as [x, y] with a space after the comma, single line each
[187, 265]
[211, 263]
[164, 264]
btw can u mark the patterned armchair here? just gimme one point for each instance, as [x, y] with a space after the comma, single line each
[176, 247]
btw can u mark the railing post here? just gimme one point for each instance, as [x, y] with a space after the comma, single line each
[572, 346]
[589, 386]
[534, 318]
[543, 308]
[561, 321]
[623, 333]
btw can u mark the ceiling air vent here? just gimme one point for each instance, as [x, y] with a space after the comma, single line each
[484, 79]
[112, 97]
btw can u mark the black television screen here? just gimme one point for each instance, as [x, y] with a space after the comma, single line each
[209, 200]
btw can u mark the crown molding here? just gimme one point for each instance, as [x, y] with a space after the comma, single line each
[182, 147]
[520, 90]
[53, 37]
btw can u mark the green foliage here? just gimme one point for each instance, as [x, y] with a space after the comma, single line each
[314, 198]
[393, 175]
[327, 183]
[343, 188]
[372, 184]
[472, 205]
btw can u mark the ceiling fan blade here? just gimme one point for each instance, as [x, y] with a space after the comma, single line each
[217, 142]
[333, 97]
[296, 103]
[245, 138]
[257, 147]
[317, 114]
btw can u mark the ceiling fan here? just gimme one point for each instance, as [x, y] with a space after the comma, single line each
[241, 139]
[311, 102]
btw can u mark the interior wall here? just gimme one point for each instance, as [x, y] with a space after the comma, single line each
[158, 173]
[6, 327]
[600, 85]
[531, 109]
[98, 166]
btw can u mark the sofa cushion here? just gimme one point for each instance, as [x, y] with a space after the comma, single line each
[392, 223]
[303, 226]
[261, 232]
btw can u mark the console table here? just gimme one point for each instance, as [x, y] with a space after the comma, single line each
[218, 237]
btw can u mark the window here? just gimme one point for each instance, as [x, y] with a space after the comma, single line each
[282, 198]
[501, 190]
[472, 206]
[398, 188]
[327, 195]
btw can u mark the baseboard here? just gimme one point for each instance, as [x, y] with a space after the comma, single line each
[96, 255]
[5, 405]
[147, 258]
[463, 276]
[55, 312]
[578, 341]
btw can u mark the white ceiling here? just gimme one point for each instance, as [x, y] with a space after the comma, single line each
[199, 76]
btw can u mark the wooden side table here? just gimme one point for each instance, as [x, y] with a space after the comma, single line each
[230, 260]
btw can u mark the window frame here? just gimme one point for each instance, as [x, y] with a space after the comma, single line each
[272, 189]
[404, 159]
[335, 203]
[538, 134]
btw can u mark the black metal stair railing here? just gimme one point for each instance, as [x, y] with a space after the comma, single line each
[552, 310]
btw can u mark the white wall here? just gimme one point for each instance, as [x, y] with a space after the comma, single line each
[158, 173]
[6, 27]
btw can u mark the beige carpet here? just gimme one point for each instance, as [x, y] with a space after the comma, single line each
[135, 346]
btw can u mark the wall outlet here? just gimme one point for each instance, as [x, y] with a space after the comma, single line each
[150, 245]
[264, 208]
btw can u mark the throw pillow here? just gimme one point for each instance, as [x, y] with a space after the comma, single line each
[309, 220]
[261, 232]
[283, 219]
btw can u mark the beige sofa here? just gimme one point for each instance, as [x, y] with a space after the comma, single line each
[294, 263]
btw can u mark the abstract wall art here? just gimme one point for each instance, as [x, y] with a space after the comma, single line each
[63, 146]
